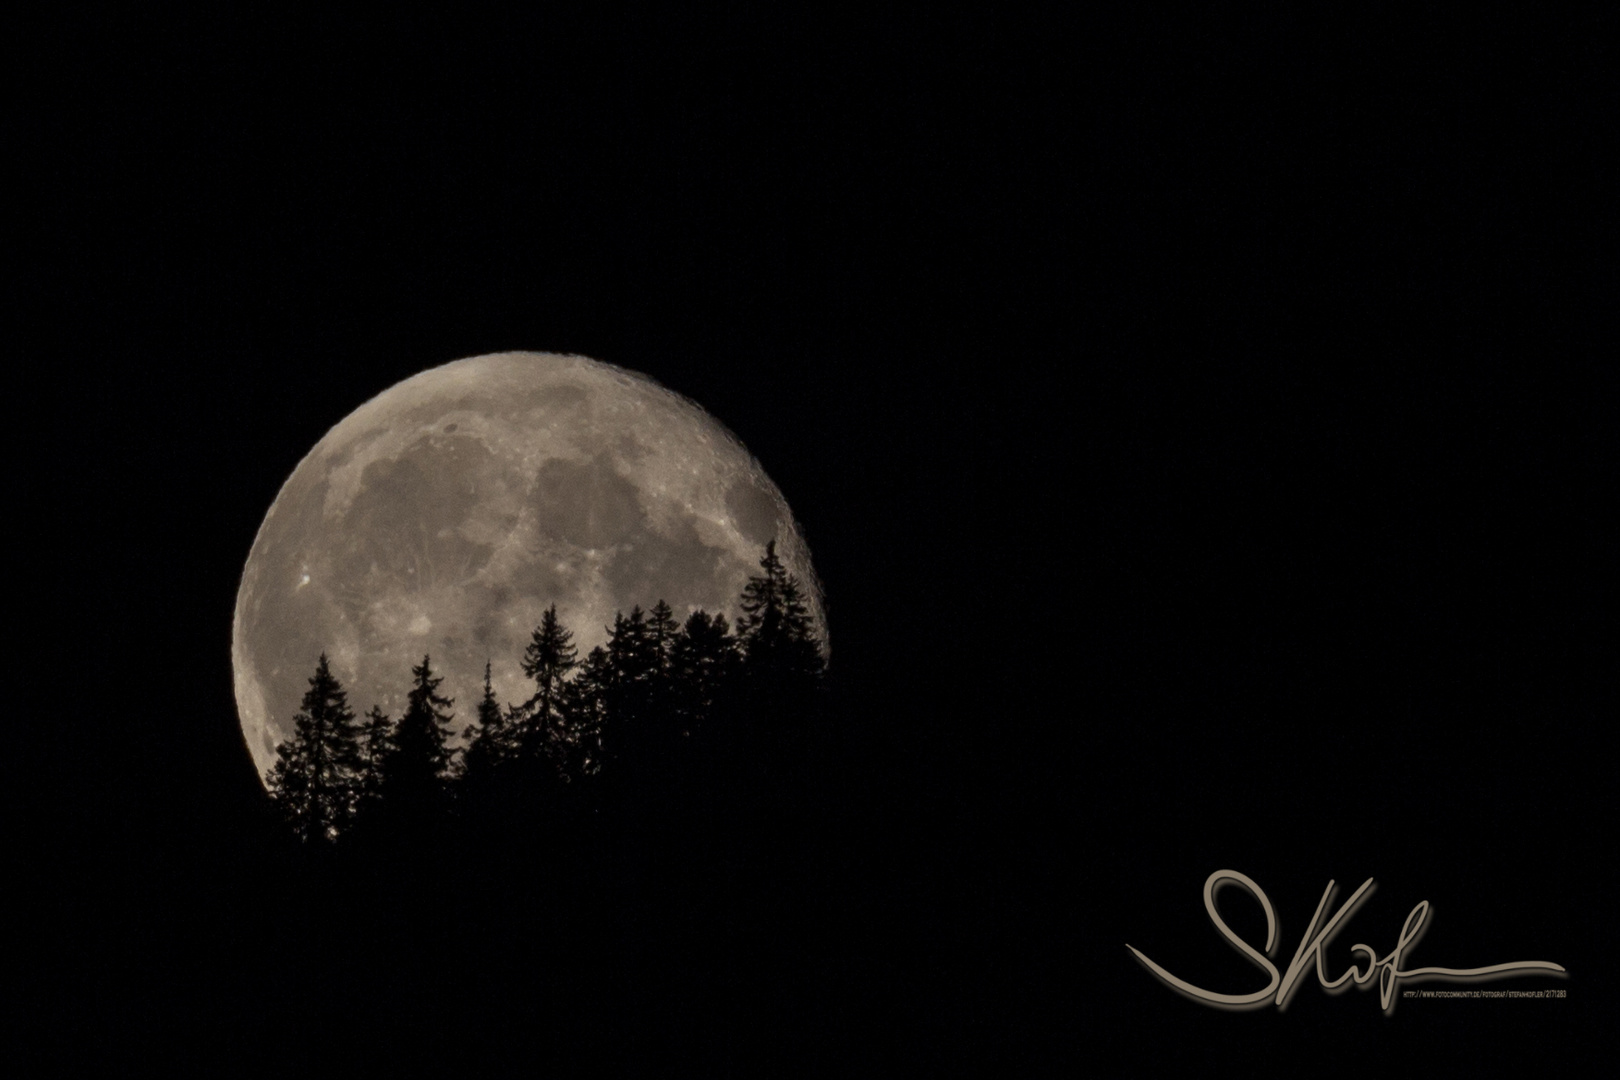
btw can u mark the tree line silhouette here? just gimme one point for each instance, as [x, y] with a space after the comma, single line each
[662, 703]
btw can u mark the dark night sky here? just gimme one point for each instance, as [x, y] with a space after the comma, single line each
[1197, 423]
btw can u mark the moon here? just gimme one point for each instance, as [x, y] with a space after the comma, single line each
[444, 516]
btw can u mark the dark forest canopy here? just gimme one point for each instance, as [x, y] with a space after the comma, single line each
[659, 691]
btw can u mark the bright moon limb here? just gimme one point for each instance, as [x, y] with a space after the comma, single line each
[447, 513]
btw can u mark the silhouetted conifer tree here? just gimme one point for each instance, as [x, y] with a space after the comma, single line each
[777, 632]
[705, 656]
[419, 765]
[585, 703]
[488, 736]
[548, 660]
[632, 668]
[632, 657]
[314, 780]
[376, 743]
[661, 633]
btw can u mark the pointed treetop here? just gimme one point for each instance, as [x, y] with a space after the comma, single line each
[427, 685]
[420, 756]
[551, 650]
[489, 711]
[314, 780]
[777, 629]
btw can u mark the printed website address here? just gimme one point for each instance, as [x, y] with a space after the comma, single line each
[1485, 993]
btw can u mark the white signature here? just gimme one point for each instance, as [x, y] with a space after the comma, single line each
[1388, 970]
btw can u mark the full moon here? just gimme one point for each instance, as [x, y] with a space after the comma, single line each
[443, 517]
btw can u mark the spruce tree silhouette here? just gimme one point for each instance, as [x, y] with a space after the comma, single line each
[486, 758]
[778, 635]
[704, 658]
[488, 738]
[314, 781]
[376, 743]
[661, 633]
[585, 704]
[418, 768]
[659, 726]
[778, 750]
[632, 664]
[633, 660]
[548, 660]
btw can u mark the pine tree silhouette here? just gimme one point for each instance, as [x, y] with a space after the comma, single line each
[705, 656]
[633, 658]
[777, 632]
[376, 743]
[661, 633]
[548, 660]
[315, 778]
[489, 737]
[630, 688]
[418, 767]
[585, 704]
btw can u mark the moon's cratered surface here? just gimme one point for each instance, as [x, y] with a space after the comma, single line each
[446, 514]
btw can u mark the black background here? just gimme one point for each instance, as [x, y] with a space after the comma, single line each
[1197, 422]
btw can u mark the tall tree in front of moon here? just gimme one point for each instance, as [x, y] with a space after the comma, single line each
[445, 515]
